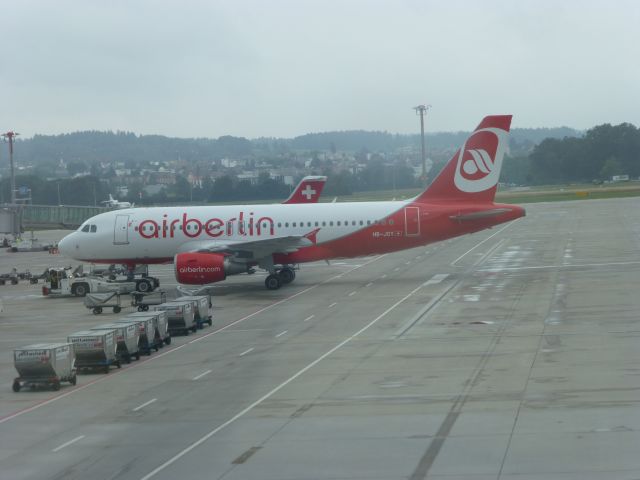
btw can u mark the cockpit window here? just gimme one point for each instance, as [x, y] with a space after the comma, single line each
[85, 228]
[93, 229]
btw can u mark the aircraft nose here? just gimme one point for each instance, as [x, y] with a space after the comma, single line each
[67, 245]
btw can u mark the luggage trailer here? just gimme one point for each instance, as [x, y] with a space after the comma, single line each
[161, 323]
[202, 308]
[180, 315]
[127, 337]
[146, 330]
[95, 349]
[45, 364]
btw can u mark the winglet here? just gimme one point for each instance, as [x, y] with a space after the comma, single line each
[312, 236]
[308, 190]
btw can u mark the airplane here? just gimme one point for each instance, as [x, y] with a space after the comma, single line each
[113, 203]
[208, 243]
[308, 190]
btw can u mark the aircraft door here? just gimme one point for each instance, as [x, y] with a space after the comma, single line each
[412, 221]
[121, 230]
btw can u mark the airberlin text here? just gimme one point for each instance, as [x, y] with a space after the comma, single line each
[213, 227]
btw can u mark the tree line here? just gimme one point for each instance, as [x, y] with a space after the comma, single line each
[602, 152]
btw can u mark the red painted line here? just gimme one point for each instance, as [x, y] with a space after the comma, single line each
[42, 403]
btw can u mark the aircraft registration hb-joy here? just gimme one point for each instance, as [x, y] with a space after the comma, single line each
[208, 243]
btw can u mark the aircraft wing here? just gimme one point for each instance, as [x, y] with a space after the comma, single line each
[261, 248]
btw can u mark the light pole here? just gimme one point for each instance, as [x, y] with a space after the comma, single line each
[9, 136]
[422, 111]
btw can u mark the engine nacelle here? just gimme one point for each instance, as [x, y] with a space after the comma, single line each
[199, 268]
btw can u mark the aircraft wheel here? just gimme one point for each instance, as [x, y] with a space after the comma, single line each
[287, 275]
[144, 286]
[272, 282]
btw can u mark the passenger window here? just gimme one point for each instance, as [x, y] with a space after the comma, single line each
[308, 224]
[338, 223]
[286, 224]
[353, 222]
[361, 222]
[391, 222]
[294, 224]
[324, 224]
[93, 229]
[331, 224]
[368, 222]
[85, 228]
[316, 224]
[279, 224]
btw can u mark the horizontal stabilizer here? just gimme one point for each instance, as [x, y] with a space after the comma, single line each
[479, 215]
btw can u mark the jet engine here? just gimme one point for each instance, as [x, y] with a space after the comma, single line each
[199, 268]
[203, 268]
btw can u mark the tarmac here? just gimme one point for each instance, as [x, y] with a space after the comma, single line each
[507, 354]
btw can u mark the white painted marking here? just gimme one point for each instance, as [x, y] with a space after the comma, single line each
[384, 276]
[145, 404]
[332, 305]
[407, 263]
[396, 269]
[369, 284]
[240, 414]
[352, 294]
[438, 278]
[245, 352]
[453, 264]
[281, 334]
[567, 265]
[66, 444]
[309, 318]
[198, 377]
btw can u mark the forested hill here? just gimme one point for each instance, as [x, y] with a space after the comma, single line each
[93, 146]
[384, 141]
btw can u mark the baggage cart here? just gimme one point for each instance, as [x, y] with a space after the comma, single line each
[202, 308]
[95, 349]
[180, 316]
[161, 323]
[143, 300]
[127, 337]
[97, 301]
[44, 364]
[147, 331]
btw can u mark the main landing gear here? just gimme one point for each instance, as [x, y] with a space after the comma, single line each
[283, 276]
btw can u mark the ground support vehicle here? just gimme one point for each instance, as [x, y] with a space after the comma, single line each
[202, 305]
[44, 364]
[180, 315]
[161, 324]
[95, 349]
[147, 331]
[142, 301]
[99, 301]
[62, 281]
[127, 338]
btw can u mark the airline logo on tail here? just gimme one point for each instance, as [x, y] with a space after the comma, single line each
[480, 160]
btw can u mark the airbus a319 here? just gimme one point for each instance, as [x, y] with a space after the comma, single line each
[209, 243]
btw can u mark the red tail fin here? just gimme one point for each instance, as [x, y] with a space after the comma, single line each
[308, 190]
[472, 174]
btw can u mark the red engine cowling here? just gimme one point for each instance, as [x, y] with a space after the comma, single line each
[199, 268]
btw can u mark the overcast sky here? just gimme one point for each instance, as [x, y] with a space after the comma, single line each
[284, 68]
